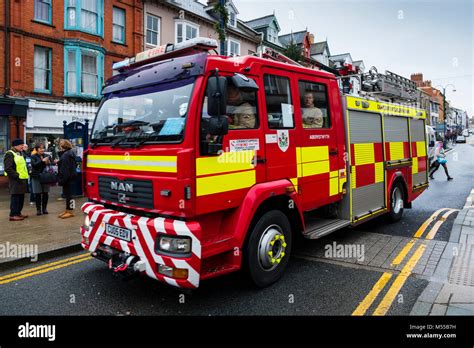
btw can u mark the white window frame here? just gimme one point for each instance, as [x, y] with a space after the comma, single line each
[158, 32]
[185, 25]
[229, 42]
[230, 24]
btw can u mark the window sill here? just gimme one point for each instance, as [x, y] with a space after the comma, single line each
[85, 32]
[49, 24]
[42, 91]
[119, 43]
[84, 96]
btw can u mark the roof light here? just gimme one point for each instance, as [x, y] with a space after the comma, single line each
[167, 51]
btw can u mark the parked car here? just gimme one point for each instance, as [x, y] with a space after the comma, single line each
[461, 139]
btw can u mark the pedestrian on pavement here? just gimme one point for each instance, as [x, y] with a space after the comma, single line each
[66, 175]
[28, 165]
[17, 172]
[39, 162]
[440, 160]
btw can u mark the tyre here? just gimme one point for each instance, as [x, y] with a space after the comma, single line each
[396, 202]
[268, 248]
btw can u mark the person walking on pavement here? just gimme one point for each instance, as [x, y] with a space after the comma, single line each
[39, 161]
[440, 160]
[17, 172]
[66, 175]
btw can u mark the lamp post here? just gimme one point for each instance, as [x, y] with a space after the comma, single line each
[444, 105]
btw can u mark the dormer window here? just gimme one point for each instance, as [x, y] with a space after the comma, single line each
[232, 18]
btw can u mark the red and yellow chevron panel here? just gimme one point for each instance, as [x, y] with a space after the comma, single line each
[367, 166]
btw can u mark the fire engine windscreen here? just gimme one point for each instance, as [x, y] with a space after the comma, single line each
[149, 114]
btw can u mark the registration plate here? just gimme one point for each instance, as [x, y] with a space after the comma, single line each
[118, 232]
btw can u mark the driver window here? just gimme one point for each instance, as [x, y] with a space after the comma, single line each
[241, 108]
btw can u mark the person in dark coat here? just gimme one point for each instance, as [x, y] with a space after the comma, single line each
[17, 172]
[39, 161]
[66, 175]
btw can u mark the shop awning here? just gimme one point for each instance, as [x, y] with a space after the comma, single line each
[13, 107]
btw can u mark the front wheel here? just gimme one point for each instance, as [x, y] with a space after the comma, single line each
[396, 203]
[268, 248]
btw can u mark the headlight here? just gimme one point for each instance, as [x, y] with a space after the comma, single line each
[87, 222]
[169, 244]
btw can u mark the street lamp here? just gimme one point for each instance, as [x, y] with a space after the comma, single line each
[444, 104]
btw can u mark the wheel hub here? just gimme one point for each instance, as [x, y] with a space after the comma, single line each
[397, 201]
[271, 248]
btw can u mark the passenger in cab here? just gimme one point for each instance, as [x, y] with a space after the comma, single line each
[312, 116]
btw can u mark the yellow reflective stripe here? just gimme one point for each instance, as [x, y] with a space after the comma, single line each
[226, 162]
[379, 172]
[298, 155]
[314, 168]
[364, 153]
[314, 153]
[166, 164]
[225, 182]
[420, 148]
[384, 108]
[334, 186]
[294, 182]
[414, 166]
[396, 150]
[353, 177]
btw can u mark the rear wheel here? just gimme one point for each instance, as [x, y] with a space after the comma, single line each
[268, 248]
[396, 202]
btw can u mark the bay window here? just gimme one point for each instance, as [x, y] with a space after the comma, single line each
[84, 15]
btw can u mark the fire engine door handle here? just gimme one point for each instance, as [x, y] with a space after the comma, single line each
[333, 152]
[261, 160]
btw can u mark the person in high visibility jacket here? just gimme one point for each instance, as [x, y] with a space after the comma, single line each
[17, 172]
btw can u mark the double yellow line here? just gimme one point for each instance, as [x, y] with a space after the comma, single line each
[401, 278]
[44, 268]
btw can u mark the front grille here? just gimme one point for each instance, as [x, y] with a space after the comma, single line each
[136, 193]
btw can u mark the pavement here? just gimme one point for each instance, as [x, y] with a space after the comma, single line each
[451, 287]
[45, 233]
[398, 272]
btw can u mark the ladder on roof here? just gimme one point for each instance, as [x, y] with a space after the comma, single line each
[388, 86]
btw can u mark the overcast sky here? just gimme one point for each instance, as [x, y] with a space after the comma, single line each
[430, 36]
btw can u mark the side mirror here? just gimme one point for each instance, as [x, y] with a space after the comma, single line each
[218, 125]
[216, 96]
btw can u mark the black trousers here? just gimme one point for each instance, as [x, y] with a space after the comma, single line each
[67, 190]
[435, 167]
[16, 204]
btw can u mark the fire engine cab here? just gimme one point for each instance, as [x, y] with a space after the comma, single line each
[202, 165]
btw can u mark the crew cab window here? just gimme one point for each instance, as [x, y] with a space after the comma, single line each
[278, 101]
[314, 105]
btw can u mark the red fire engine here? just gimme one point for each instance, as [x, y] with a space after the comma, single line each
[202, 165]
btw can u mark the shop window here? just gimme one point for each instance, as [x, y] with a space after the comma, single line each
[3, 140]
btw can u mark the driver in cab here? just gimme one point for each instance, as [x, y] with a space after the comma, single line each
[241, 114]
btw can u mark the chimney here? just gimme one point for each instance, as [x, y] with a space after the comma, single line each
[418, 77]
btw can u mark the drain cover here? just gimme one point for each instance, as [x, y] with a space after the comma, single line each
[462, 272]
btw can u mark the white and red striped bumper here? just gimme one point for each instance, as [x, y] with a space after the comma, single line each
[144, 233]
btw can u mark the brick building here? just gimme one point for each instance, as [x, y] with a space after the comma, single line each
[436, 102]
[54, 58]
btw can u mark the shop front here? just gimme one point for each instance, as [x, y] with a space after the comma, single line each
[44, 123]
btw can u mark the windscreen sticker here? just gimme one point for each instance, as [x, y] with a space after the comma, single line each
[244, 145]
[172, 126]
